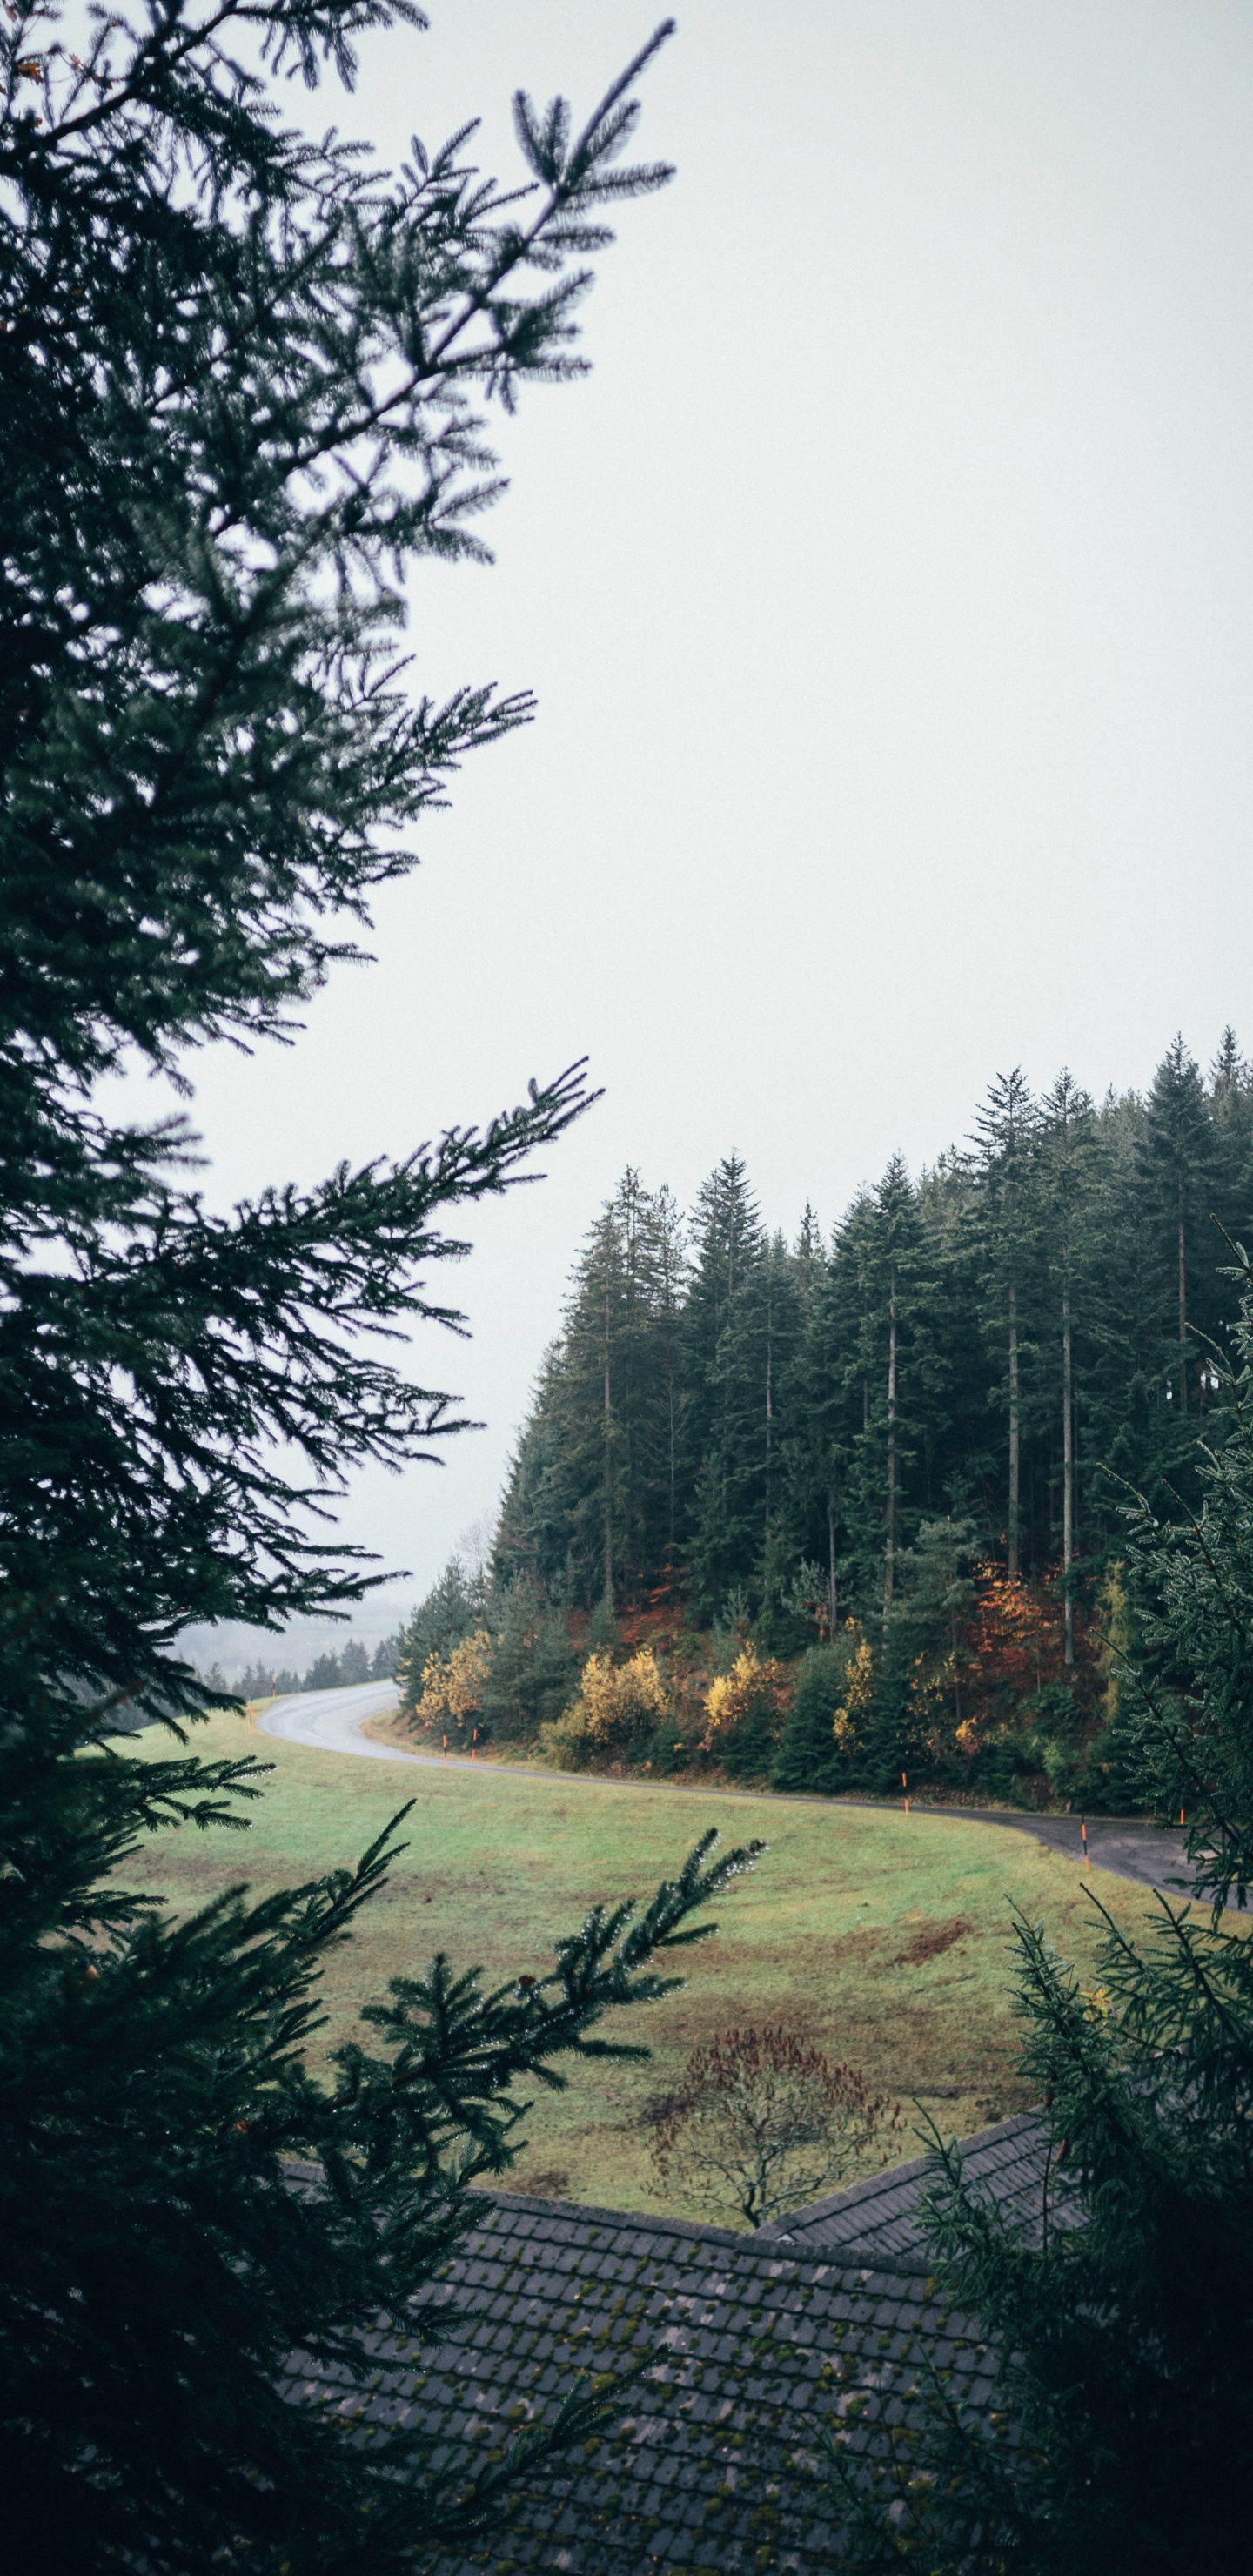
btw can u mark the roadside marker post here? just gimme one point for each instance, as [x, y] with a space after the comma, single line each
[445, 1748]
[905, 1787]
[1083, 1828]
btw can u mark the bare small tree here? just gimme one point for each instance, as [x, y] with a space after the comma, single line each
[762, 2123]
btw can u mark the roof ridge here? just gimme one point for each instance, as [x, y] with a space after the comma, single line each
[776, 2232]
[884, 2265]
[655, 2221]
[890, 2177]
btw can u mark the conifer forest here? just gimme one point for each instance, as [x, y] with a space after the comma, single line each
[853, 1507]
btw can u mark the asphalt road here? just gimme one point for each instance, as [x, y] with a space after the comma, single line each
[332, 1721]
[1123, 1844]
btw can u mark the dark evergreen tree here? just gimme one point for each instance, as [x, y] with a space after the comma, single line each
[1067, 1179]
[1176, 1172]
[1120, 2306]
[824, 1412]
[747, 1463]
[1128, 1428]
[922, 1685]
[454, 1606]
[807, 1761]
[238, 379]
[535, 1670]
[255, 1682]
[1026, 1356]
[898, 1369]
[595, 1396]
[1006, 1217]
[324, 1672]
[724, 1361]
[1231, 1173]
[669, 1272]
[594, 1489]
[533, 1535]
[957, 1469]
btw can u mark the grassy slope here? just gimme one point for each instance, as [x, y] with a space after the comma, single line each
[498, 1866]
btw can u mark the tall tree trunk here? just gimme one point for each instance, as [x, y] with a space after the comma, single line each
[670, 1404]
[1183, 1312]
[1014, 1443]
[608, 1421]
[831, 1560]
[668, 1293]
[889, 1562]
[1068, 1475]
[769, 1399]
[952, 1621]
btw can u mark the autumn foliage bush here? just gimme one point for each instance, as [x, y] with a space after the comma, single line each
[453, 1685]
[976, 1693]
[618, 1708]
[966, 1688]
[745, 1711]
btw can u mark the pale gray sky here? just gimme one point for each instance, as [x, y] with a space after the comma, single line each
[887, 591]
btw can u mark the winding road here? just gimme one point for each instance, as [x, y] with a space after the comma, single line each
[333, 1721]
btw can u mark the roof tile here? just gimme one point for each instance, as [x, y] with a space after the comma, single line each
[749, 2342]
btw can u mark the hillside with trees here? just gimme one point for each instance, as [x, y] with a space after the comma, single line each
[869, 1488]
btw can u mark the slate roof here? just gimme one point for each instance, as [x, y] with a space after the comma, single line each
[750, 2345]
[881, 2221]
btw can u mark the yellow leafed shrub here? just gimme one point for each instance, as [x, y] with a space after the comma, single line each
[617, 1707]
[849, 1724]
[452, 1687]
[744, 1711]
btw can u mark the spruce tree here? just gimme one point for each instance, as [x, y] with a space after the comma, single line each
[1066, 1179]
[831, 1426]
[1006, 1218]
[815, 1441]
[602, 1507]
[533, 1536]
[670, 1270]
[593, 1400]
[776, 1421]
[896, 1366]
[240, 380]
[724, 1364]
[1175, 1159]
[807, 1761]
[1231, 1175]
[455, 1605]
[1119, 2300]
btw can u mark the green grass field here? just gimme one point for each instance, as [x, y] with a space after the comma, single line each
[819, 1938]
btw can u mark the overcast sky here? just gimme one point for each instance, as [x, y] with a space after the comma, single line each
[887, 595]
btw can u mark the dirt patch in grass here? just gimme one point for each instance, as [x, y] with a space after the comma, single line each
[552, 2182]
[833, 1934]
[931, 1940]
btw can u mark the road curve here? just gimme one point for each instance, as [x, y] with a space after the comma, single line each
[333, 1721]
